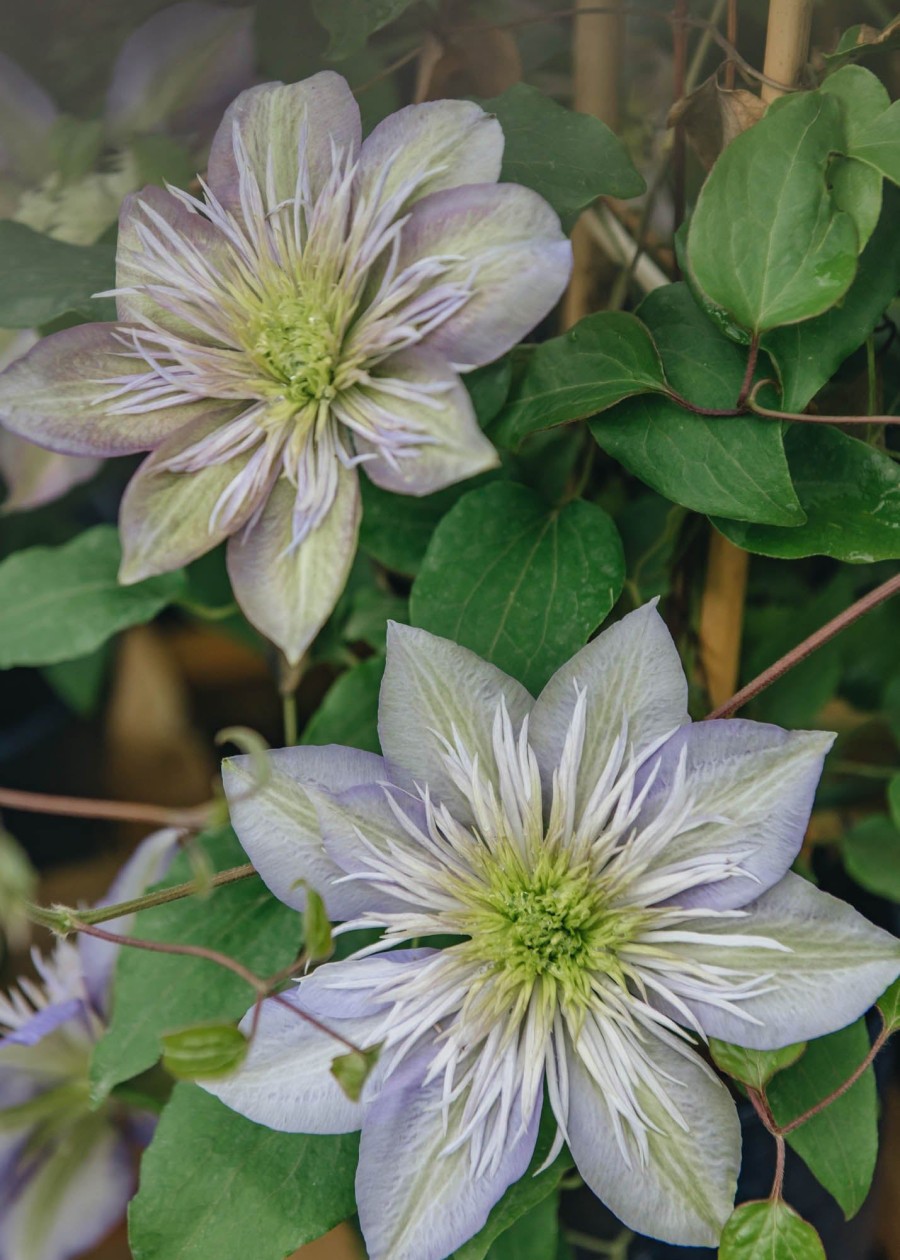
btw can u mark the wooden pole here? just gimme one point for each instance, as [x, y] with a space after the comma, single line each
[722, 606]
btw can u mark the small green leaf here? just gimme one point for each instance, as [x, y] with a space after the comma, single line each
[522, 584]
[851, 495]
[216, 1185]
[769, 1230]
[42, 278]
[767, 243]
[351, 22]
[349, 712]
[840, 1144]
[58, 603]
[205, 1051]
[317, 940]
[871, 853]
[606, 357]
[737, 463]
[862, 39]
[889, 1005]
[534, 1236]
[753, 1067]
[352, 1070]
[567, 157]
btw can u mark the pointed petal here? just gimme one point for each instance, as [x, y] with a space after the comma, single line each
[285, 1082]
[44, 1022]
[836, 965]
[147, 865]
[72, 1199]
[179, 70]
[755, 784]
[685, 1192]
[454, 447]
[166, 518]
[27, 114]
[34, 476]
[634, 681]
[509, 248]
[415, 1202]
[427, 147]
[51, 396]
[289, 594]
[433, 689]
[272, 121]
[278, 826]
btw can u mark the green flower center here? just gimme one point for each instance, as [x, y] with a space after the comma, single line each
[296, 345]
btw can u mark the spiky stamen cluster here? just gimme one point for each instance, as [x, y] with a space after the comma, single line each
[569, 918]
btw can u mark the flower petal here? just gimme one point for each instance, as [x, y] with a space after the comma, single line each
[415, 1201]
[506, 243]
[53, 396]
[752, 787]
[27, 114]
[179, 70]
[454, 447]
[45, 1021]
[167, 518]
[835, 966]
[285, 1082]
[289, 594]
[434, 690]
[273, 123]
[147, 864]
[72, 1198]
[635, 684]
[427, 147]
[34, 476]
[684, 1193]
[278, 826]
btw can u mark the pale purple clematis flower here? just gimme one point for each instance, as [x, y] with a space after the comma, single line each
[618, 882]
[66, 1169]
[174, 74]
[311, 314]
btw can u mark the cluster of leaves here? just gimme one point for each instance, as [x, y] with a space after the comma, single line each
[617, 438]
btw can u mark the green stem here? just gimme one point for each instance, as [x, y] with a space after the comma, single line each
[289, 718]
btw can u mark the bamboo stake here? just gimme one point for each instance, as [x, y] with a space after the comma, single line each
[722, 607]
[596, 56]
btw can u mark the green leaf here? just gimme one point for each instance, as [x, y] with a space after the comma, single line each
[862, 39]
[871, 853]
[878, 144]
[606, 357]
[850, 493]
[349, 712]
[753, 1067]
[769, 1230]
[767, 243]
[317, 939]
[569, 158]
[42, 278]
[58, 603]
[522, 584]
[534, 1236]
[522, 1197]
[156, 993]
[79, 682]
[204, 1051]
[396, 528]
[737, 463]
[216, 1185]
[351, 22]
[893, 796]
[889, 1006]
[840, 1144]
[351, 1071]
[807, 355]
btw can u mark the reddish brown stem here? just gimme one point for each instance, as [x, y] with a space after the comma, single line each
[193, 818]
[816, 640]
[747, 383]
[848, 1084]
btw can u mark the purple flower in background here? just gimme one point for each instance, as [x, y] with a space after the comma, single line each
[618, 883]
[174, 74]
[311, 314]
[66, 1169]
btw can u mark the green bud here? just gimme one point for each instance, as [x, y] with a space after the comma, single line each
[204, 1052]
[351, 1071]
[754, 1068]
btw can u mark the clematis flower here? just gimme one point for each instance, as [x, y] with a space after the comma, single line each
[174, 74]
[66, 1169]
[312, 313]
[617, 883]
